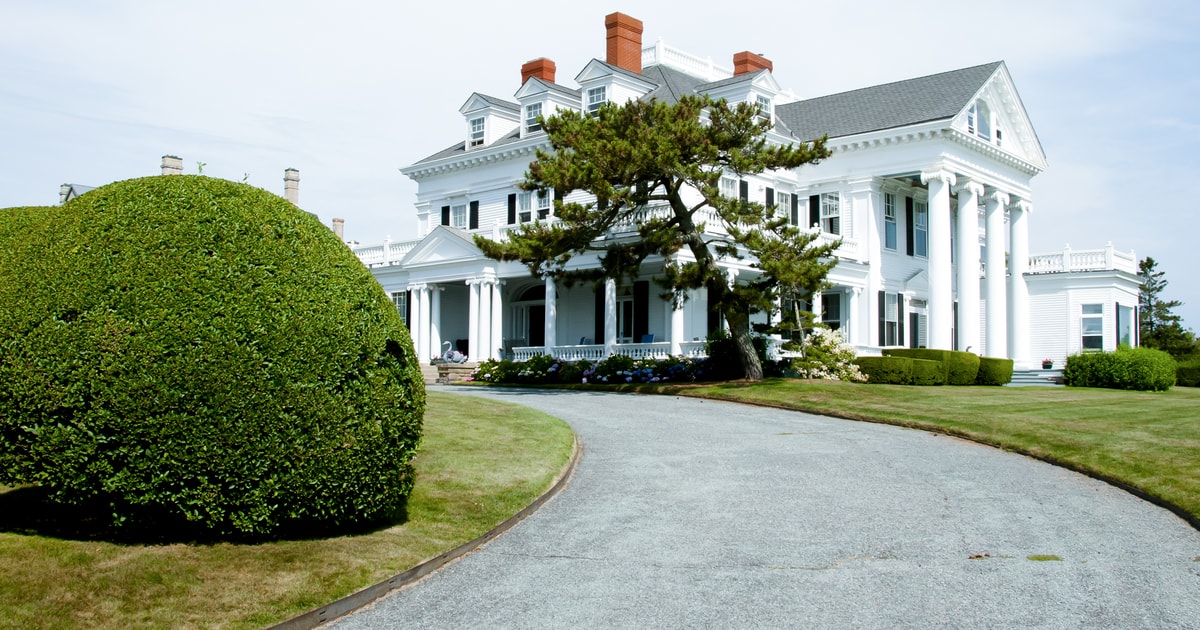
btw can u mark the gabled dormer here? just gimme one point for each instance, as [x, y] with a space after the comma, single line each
[488, 119]
[541, 96]
[601, 82]
[996, 116]
[752, 82]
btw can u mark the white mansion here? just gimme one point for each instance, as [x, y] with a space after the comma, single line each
[928, 189]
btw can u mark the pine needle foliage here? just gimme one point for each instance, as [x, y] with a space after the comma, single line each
[657, 154]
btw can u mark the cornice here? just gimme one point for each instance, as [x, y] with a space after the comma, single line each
[912, 135]
[526, 148]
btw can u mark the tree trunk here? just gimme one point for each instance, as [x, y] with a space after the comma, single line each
[739, 329]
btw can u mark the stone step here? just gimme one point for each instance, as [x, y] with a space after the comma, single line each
[1036, 378]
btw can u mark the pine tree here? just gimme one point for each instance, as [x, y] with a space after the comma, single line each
[1159, 327]
[670, 158]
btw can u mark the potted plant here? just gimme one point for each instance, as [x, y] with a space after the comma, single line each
[1047, 364]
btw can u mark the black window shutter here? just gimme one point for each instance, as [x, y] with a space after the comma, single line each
[744, 190]
[954, 331]
[814, 210]
[599, 328]
[770, 196]
[512, 208]
[882, 318]
[408, 309]
[445, 215]
[900, 319]
[474, 219]
[795, 209]
[641, 310]
[908, 226]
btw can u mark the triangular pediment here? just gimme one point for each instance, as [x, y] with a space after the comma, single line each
[443, 245]
[1018, 136]
[533, 87]
[479, 102]
[918, 283]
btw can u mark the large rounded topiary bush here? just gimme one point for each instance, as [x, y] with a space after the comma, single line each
[192, 350]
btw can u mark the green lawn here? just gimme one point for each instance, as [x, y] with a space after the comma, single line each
[1147, 440]
[480, 462]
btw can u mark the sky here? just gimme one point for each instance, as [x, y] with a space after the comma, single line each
[350, 92]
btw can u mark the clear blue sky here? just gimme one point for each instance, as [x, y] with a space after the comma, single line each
[349, 92]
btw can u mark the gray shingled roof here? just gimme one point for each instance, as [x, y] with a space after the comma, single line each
[672, 83]
[899, 104]
[561, 89]
[737, 78]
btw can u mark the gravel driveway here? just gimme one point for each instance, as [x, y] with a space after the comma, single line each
[685, 513]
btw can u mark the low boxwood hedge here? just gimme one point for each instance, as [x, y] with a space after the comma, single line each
[1142, 369]
[994, 371]
[928, 372]
[1187, 372]
[888, 370]
[962, 368]
[201, 353]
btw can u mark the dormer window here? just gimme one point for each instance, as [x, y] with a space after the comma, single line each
[476, 137]
[596, 97]
[764, 107]
[532, 112]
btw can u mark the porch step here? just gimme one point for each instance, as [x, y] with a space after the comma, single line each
[1036, 378]
[429, 373]
[448, 373]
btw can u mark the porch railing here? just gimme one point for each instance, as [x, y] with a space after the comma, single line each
[1069, 260]
[595, 352]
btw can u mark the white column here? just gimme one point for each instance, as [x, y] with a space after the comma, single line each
[941, 309]
[435, 320]
[610, 316]
[816, 306]
[1018, 292]
[414, 326]
[483, 351]
[968, 265]
[497, 336]
[551, 329]
[473, 340]
[997, 302]
[853, 321]
[425, 352]
[677, 324]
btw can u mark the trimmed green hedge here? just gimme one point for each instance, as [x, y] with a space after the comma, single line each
[201, 353]
[1143, 369]
[962, 368]
[1187, 372]
[994, 371]
[886, 370]
[928, 372]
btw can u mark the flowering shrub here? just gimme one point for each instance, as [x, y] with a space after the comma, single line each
[828, 356]
[617, 369]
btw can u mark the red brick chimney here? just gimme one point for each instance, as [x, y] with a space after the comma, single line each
[541, 68]
[624, 37]
[746, 62]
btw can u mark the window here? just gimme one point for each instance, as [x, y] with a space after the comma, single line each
[729, 187]
[831, 219]
[458, 216]
[1092, 327]
[476, 138]
[831, 310]
[1125, 323]
[596, 97]
[783, 204]
[764, 107]
[983, 121]
[920, 228]
[889, 221]
[400, 299]
[891, 320]
[532, 111]
[525, 207]
[625, 319]
[543, 203]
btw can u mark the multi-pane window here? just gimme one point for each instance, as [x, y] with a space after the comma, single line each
[525, 206]
[596, 97]
[1092, 326]
[891, 320]
[476, 138]
[889, 221]
[783, 203]
[764, 107]
[458, 216]
[400, 299]
[543, 203]
[920, 228]
[831, 213]
[729, 187]
[831, 310]
[532, 112]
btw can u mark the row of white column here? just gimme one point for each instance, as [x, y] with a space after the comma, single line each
[1007, 304]
[484, 331]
